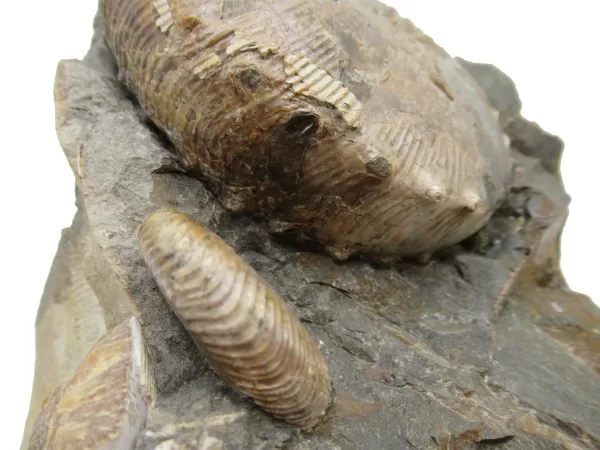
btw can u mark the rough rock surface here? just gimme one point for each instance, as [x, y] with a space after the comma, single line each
[482, 347]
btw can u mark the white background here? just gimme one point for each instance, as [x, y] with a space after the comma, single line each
[549, 49]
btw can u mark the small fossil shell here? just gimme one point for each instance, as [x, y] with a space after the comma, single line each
[245, 330]
[338, 118]
[104, 404]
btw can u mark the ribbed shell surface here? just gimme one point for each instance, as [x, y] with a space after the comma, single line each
[335, 117]
[245, 330]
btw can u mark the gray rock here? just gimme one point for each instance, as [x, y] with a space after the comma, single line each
[499, 88]
[525, 136]
[531, 140]
[466, 351]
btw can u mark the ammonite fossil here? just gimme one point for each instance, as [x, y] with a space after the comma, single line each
[367, 138]
[246, 331]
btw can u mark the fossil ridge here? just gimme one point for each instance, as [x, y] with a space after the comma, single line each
[336, 120]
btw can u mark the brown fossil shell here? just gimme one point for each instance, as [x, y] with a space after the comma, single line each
[338, 118]
[246, 331]
[104, 404]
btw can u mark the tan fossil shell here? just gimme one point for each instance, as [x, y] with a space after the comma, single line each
[245, 330]
[338, 118]
[104, 404]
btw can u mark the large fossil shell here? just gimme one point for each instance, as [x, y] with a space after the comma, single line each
[245, 330]
[338, 118]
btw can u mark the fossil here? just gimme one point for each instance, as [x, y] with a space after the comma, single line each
[246, 331]
[336, 120]
[104, 404]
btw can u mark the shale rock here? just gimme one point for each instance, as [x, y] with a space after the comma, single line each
[499, 88]
[531, 140]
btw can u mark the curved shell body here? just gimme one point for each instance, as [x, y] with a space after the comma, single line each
[337, 118]
[245, 330]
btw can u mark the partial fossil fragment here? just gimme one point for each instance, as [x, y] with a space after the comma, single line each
[245, 330]
[104, 404]
[340, 119]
